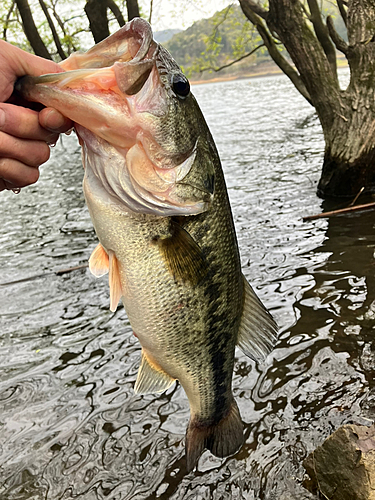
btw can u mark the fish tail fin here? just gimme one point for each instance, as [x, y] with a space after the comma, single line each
[223, 438]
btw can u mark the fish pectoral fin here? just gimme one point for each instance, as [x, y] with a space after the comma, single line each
[258, 330]
[182, 255]
[151, 378]
[99, 262]
[115, 288]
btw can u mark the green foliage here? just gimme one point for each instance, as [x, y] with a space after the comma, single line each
[215, 42]
[211, 44]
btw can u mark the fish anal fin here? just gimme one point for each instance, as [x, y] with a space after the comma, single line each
[223, 438]
[151, 378]
[99, 262]
[115, 288]
[182, 255]
[257, 333]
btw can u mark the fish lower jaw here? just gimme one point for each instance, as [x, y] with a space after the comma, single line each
[117, 176]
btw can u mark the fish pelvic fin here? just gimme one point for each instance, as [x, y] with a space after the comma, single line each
[257, 334]
[182, 255]
[223, 438]
[115, 288]
[99, 262]
[151, 377]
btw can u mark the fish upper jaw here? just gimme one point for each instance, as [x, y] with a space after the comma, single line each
[104, 88]
[131, 42]
[121, 92]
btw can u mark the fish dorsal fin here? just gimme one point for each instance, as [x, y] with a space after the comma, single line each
[115, 288]
[182, 255]
[151, 378]
[99, 262]
[258, 330]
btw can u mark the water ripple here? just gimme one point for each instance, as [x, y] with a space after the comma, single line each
[71, 425]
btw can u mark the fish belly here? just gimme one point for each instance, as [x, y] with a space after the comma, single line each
[189, 330]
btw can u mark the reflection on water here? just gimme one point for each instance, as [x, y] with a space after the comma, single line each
[71, 426]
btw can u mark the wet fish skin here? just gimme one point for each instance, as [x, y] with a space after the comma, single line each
[172, 255]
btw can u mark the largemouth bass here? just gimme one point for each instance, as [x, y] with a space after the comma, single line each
[155, 190]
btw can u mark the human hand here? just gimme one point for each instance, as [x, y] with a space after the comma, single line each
[25, 134]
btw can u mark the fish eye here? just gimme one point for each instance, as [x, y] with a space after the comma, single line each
[180, 85]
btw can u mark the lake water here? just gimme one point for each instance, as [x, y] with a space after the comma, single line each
[70, 424]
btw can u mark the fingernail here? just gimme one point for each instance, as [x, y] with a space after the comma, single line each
[2, 118]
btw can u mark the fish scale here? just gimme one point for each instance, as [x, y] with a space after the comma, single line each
[156, 195]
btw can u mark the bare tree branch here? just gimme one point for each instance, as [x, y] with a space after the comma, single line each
[222, 20]
[322, 34]
[283, 64]
[7, 19]
[232, 62]
[213, 35]
[341, 45]
[58, 19]
[255, 7]
[340, 5]
[113, 7]
[78, 16]
[55, 36]
[151, 6]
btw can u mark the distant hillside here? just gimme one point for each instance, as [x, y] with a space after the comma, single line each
[213, 42]
[223, 38]
[165, 35]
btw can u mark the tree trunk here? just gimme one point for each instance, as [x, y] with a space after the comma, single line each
[347, 116]
[30, 29]
[133, 9]
[96, 11]
[349, 160]
[349, 157]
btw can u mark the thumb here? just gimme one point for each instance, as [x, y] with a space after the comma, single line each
[23, 63]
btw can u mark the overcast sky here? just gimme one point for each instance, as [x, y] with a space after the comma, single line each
[181, 13]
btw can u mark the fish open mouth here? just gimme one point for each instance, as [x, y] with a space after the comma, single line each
[115, 91]
[129, 53]
[96, 87]
[131, 43]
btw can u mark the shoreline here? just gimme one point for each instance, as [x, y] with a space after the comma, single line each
[229, 78]
[269, 70]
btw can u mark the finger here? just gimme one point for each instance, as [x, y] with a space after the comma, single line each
[15, 63]
[23, 123]
[8, 186]
[51, 119]
[29, 152]
[15, 174]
